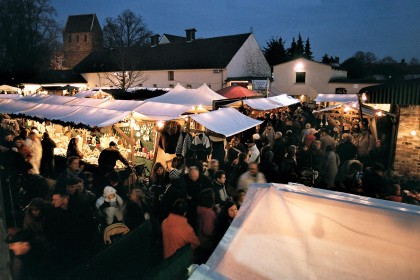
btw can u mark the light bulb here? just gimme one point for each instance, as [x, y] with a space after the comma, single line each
[413, 132]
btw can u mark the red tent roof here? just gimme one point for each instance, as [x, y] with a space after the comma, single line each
[237, 92]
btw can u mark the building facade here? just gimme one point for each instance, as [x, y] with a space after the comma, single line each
[305, 79]
[82, 34]
[190, 62]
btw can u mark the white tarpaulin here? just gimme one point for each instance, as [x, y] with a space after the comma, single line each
[337, 98]
[162, 111]
[89, 102]
[179, 95]
[49, 111]
[297, 232]
[95, 116]
[269, 103]
[48, 99]
[120, 105]
[11, 106]
[8, 88]
[10, 96]
[225, 121]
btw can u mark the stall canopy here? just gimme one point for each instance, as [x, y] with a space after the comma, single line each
[316, 234]
[179, 95]
[95, 116]
[353, 106]
[48, 99]
[11, 106]
[268, 103]
[225, 121]
[7, 88]
[93, 94]
[337, 98]
[49, 111]
[120, 105]
[237, 92]
[10, 96]
[163, 111]
[89, 102]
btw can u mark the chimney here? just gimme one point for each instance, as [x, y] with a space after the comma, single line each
[154, 40]
[190, 34]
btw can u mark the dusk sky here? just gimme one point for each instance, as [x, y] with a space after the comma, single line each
[336, 27]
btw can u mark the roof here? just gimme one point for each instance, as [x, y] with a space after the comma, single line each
[57, 77]
[80, 23]
[401, 93]
[210, 53]
[173, 38]
[237, 92]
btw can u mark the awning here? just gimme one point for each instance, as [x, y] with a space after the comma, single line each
[120, 105]
[268, 103]
[12, 106]
[8, 88]
[49, 111]
[88, 102]
[402, 93]
[162, 111]
[48, 99]
[95, 116]
[225, 121]
[337, 98]
[237, 92]
[203, 96]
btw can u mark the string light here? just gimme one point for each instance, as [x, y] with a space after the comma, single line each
[364, 97]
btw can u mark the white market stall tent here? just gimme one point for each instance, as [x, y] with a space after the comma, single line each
[11, 106]
[225, 121]
[10, 96]
[48, 99]
[268, 103]
[95, 94]
[203, 96]
[336, 98]
[49, 111]
[88, 102]
[7, 88]
[297, 232]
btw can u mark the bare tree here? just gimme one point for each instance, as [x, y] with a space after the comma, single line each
[124, 36]
[28, 34]
[127, 30]
[124, 72]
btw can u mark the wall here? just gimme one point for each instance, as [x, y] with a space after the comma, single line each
[194, 78]
[407, 153]
[249, 61]
[317, 78]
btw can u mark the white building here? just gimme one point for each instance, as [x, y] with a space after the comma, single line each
[185, 60]
[305, 79]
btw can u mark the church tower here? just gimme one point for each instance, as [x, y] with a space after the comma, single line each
[82, 34]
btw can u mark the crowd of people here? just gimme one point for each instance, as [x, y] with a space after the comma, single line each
[193, 202]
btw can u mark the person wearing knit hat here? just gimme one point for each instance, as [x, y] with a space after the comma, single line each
[110, 205]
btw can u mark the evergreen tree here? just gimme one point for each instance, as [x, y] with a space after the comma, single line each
[274, 52]
[326, 59]
[308, 51]
[291, 52]
[299, 46]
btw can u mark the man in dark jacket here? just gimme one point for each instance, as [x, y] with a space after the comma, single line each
[108, 158]
[47, 160]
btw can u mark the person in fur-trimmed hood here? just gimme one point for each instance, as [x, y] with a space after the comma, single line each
[110, 205]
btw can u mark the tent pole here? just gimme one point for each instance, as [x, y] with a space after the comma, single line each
[132, 140]
[156, 147]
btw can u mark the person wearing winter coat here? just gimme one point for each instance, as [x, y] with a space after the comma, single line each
[110, 205]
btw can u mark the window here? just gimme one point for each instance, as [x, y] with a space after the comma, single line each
[171, 86]
[155, 85]
[189, 86]
[170, 75]
[69, 38]
[300, 77]
[209, 85]
[85, 37]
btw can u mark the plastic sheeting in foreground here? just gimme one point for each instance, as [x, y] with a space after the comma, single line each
[225, 121]
[297, 232]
